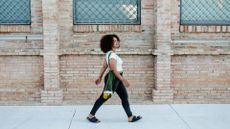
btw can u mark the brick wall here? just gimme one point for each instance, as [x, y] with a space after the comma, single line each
[53, 61]
[200, 62]
[21, 79]
[201, 79]
[81, 57]
[21, 62]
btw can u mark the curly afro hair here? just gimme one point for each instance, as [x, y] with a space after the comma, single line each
[106, 42]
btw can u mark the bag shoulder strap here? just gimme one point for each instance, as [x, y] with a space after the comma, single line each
[108, 60]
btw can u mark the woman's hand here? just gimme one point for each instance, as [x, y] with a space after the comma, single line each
[98, 81]
[125, 83]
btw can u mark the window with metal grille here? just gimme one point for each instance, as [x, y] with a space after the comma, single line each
[205, 12]
[107, 11]
[15, 12]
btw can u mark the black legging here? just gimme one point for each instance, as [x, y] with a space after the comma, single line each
[122, 93]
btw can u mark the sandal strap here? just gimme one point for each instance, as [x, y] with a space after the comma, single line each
[136, 118]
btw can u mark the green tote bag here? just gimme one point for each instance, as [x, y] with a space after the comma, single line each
[107, 93]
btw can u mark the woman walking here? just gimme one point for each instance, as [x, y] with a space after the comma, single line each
[109, 44]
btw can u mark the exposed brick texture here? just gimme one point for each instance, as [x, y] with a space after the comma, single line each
[53, 62]
[51, 92]
[201, 79]
[21, 79]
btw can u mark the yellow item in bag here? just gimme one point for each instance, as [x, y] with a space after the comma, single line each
[107, 94]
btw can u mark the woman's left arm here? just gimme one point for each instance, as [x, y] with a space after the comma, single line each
[103, 69]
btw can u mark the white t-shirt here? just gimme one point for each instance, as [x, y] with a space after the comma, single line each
[117, 58]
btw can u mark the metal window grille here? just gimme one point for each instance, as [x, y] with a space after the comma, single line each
[107, 11]
[15, 12]
[205, 12]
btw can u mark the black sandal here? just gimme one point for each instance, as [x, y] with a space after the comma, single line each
[93, 119]
[136, 118]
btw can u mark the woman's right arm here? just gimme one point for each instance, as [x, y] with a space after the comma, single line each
[113, 63]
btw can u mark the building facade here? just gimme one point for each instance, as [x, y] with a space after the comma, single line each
[53, 58]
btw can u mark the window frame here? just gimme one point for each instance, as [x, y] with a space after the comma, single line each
[197, 24]
[139, 8]
[30, 20]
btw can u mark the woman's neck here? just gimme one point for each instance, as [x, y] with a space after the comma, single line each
[114, 49]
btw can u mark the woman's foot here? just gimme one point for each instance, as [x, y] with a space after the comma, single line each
[134, 118]
[93, 119]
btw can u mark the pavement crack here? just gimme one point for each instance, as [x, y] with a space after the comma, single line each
[180, 116]
[72, 118]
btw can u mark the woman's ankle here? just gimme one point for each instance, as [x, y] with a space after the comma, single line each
[90, 115]
[130, 118]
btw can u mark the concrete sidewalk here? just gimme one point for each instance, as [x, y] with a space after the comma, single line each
[192, 116]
